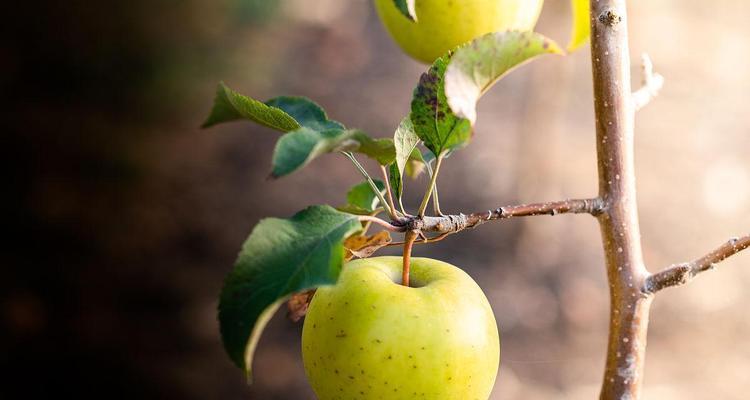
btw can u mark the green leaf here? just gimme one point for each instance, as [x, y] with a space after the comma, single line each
[405, 140]
[415, 164]
[407, 8]
[310, 132]
[476, 66]
[396, 179]
[296, 149]
[361, 196]
[581, 29]
[281, 257]
[230, 105]
[306, 112]
[434, 122]
[381, 150]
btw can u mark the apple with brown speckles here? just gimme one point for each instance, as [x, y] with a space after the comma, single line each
[369, 337]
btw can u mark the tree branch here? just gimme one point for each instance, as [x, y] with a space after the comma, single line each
[626, 272]
[459, 222]
[456, 223]
[680, 274]
[651, 84]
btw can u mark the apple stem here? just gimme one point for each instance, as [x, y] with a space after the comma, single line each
[409, 239]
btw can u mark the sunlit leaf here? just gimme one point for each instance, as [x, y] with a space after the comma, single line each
[414, 165]
[476, 66]
[230, 106]
[581, 28]
[405, 141]
[281, 257]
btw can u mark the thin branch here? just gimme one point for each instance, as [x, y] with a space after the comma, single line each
[385, 224]
[456, 223]
[680, 274]
[651, 84]
[424, 240]
[367, 224]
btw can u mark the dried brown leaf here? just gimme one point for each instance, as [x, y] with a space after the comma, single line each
[297, 305]
[364, 246]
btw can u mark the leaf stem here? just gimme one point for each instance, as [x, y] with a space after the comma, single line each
[367, 224]
[382, 223]
[374, 187]
[409, 239]
[431, 187]
[389, 192]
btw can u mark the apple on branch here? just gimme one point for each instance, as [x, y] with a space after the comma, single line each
[369, 337]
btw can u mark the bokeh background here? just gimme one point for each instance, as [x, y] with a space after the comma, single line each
[123, 217]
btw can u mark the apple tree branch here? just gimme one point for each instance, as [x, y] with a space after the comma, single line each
[680, 274]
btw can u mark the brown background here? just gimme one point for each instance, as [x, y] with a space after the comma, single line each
[124, 216]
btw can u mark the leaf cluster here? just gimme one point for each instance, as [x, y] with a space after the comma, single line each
[282, 257]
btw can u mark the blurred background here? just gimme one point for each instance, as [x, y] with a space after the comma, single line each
[124, 217]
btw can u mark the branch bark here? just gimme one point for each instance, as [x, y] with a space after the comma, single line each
[456, 223]
[680, 274]
[626, 272]
[459, 222]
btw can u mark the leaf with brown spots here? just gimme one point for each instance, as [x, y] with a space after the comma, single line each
[364, 246]
[432, 119]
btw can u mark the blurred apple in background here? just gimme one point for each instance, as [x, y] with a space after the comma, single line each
[442, 25]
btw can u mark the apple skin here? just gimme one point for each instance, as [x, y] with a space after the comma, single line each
[369, 337]
[444, 24]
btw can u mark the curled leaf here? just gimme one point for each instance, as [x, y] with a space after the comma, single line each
[364, 246]
[297, 305]
[476, 66]
[230, 106]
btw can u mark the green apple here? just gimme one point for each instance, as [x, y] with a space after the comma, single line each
[369, 337]
[444, 24]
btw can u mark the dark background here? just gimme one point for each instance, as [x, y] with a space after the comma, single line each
[123, 217]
